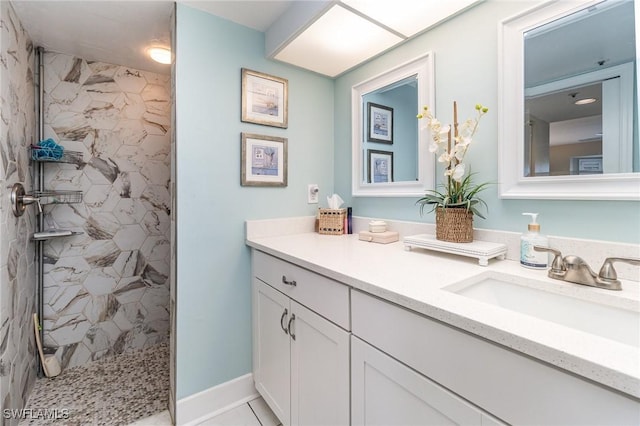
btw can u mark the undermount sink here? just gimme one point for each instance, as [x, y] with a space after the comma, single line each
[530, 297]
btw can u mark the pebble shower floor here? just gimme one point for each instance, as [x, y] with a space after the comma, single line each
[113, 391]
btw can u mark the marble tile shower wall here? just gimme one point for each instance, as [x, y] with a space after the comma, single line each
[106, 291]
[17, 271]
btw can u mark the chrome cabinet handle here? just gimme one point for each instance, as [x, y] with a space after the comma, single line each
[291, 320]
[282, 326]
[608, 273]
[291, 283]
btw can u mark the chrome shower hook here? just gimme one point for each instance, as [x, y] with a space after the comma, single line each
[20, 200]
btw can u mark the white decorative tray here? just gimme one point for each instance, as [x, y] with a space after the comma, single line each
[481, 250]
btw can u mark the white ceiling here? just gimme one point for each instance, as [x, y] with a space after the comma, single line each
[117, 32]
[256, 14]
[120, 31]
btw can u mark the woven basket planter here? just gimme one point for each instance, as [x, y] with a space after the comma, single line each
[454, 225]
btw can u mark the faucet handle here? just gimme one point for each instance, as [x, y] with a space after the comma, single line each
[30, 199]
[608, 273]
[557, 265]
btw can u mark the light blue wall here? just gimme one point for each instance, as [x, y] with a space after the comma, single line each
[213, 271]
[213, 294]
[466, 69]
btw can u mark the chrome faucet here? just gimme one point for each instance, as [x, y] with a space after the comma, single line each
[574, 269]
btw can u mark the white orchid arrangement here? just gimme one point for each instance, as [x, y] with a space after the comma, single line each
[459, 190]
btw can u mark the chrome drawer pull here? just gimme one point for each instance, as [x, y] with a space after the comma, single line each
[291, 283]
[284, 314]
[291, 320]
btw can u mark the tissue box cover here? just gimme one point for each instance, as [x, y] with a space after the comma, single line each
[332, 221]
[379, 237]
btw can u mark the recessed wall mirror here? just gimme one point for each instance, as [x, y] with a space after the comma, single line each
[389, 156]
[569, 106]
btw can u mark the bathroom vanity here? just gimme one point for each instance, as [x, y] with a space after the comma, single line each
[349, 332]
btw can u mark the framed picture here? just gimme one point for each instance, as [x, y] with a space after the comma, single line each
[264, 160]
[588, 165]
[379, 123]
[265, 99]
[380, 166]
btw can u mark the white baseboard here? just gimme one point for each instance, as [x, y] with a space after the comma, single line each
[209, 403]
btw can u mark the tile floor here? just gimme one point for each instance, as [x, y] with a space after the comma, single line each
[130, 389]
[253, 413]
[113, 391]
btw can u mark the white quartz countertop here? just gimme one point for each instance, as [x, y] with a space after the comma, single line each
[414, 279]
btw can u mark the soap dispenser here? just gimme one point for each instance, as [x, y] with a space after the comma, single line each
[529, 258]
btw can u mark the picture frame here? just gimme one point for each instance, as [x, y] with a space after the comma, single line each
[263, 160]
[590, 165]
[379, 123]
[265, 99]
[379, 166]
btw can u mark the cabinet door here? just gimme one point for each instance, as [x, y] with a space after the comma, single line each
[271, 356]
[386, 392]
[319, 370]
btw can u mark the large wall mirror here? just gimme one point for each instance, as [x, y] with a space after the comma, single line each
[568, 102]
[389, 155]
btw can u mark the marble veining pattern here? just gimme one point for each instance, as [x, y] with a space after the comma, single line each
[17, 270]
[107, 290]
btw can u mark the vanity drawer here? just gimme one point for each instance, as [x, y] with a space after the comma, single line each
[325, 296]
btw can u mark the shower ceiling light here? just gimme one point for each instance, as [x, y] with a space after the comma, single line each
[160, 54]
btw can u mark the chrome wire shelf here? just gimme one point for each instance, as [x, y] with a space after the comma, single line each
[59, 197]
[45, 155]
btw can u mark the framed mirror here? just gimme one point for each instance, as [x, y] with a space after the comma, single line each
[568, 106]
[389, 150]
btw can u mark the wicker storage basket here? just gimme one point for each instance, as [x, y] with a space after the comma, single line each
[454, 225]
[332, 221]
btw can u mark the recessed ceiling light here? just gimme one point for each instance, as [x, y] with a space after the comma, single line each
[585, 101]
[160, 54]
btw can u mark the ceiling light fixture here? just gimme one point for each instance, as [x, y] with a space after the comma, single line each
[409, 17]
[160, 54]
[348, 39]
[585, 101]
[331, 37]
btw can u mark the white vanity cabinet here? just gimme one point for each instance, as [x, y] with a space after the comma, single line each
[386, 392]
[512, 387]
[300, 343]
[328, 354]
